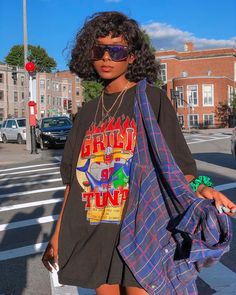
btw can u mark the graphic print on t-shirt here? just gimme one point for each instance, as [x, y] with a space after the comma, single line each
[103, 168]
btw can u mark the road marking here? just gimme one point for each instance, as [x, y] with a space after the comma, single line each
[28, 222]
[30, 183]
[18, 194]
[23, 251]
[205, 140]
[27, 171]
[226, 186]
[220, 278]
[30, 204]
[30, 166]
[28, 176]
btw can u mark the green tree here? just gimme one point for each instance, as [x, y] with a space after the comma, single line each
[37, 54]
[233, 103]
[92, 89]
[147, 39]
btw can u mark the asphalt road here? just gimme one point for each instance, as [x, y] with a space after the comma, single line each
[30, 197]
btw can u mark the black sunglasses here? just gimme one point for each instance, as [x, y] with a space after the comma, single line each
[116, 52]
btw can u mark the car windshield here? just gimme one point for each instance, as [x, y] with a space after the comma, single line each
[21, 122]
[56, 122]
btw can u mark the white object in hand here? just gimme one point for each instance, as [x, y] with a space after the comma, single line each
[55, 276]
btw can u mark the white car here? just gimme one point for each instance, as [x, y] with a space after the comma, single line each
[233, 143]
[14, 129]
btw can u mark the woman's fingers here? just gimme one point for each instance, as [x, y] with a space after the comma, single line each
[50, 258]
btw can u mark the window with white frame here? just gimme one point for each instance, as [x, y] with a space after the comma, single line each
[180, 101]
[22, 80]
[1, 78]
[181, 120]
[15, 96]
[192, 95]
[42, 84]
[230, 94]
[208, 94]
[193, 120]
[208, 119]
[164, 73]
[42, 99]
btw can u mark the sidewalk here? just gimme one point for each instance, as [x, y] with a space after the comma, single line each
[13, 153]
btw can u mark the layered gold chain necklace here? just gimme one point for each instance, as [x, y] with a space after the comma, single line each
[106, 113]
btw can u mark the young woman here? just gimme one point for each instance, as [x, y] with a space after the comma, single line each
[99, 153]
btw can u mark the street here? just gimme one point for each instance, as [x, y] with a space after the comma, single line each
[31, 193]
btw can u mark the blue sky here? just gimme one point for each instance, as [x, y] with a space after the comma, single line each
[52, 24]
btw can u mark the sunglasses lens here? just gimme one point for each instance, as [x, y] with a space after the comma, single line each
[116, 52]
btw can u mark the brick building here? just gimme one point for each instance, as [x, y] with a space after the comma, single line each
[202, 79]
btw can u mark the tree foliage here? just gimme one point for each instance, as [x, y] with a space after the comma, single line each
[222, 113]
[92, 89]
[37, 54]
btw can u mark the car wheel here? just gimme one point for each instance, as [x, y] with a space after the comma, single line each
[42, 146]
[20, 139]
[4, 139]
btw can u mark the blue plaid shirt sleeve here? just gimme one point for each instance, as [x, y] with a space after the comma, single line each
[168, 233]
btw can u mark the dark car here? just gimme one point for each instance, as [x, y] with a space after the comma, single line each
[52, 131]
[233, 143]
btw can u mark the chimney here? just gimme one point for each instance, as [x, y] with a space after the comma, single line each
[188, 46]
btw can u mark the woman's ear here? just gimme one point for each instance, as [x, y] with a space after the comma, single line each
[131, 58]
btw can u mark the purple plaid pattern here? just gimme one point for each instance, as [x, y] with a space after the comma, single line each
[168, 234]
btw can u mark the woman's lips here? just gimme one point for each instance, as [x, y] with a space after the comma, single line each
[106, 68]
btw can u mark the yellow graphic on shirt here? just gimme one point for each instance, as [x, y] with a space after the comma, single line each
[103, 169]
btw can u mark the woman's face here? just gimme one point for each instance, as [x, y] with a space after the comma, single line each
[107, 68]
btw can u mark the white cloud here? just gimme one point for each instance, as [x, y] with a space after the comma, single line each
[168, 37]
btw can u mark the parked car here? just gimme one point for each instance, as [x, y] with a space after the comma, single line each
[233, 143]
[14, 129]
[52, 131]
[0, 131]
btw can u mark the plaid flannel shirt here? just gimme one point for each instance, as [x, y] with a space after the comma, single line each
[168, 234]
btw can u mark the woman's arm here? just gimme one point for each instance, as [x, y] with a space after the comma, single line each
[50, 256]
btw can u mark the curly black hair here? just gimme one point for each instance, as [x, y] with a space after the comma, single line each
[102, 24]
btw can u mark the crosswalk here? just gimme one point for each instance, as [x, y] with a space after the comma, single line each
[30, 197]
[200, 138]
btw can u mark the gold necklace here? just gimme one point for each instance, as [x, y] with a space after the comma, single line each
[120, 94]
[107, 115]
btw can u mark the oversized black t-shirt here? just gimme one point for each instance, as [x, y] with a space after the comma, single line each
[95, 165]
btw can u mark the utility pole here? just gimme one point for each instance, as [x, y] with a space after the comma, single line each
[28, 137]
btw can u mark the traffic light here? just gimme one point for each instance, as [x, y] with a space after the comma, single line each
[69, 104]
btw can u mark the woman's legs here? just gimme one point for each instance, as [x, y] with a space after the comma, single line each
[135, 291]
[108, 290]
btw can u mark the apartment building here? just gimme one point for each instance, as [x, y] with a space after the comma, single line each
[198, 80]
[14, 89]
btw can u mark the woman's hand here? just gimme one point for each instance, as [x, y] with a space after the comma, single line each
[219, 198]
[50, 255]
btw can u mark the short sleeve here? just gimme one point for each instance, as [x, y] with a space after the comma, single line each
[67, 157]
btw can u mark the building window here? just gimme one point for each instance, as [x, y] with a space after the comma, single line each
[22, 80]
[208, 119]
[69, 89]
[42, 99]
[181, 120]
[1, 114]
[77, 91]
[23, 112]
[207, 95]
[42, 84]
[230, 94]
[48, 84]
[1, 95]
[1, 78]
[180, 101]
[15, 96]
[16, 113]
[64, 88]
[193, 120]
[22, 96]
[192, 95]
[164, 73]
[49, 100]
